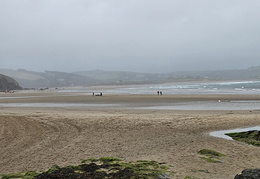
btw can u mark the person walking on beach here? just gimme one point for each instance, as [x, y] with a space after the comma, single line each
[160, 92]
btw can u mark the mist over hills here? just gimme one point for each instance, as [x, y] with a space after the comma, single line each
[50, 79]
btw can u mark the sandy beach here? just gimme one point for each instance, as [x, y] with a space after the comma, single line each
[36, 137]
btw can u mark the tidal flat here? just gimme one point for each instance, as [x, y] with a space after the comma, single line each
[35, 138]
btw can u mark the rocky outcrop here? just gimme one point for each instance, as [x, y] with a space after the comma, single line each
[249, 174]
[8, 84]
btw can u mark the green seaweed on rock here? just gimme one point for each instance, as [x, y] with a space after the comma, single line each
[23, 175]
[105, 167]
[250, 137]
[211, 155]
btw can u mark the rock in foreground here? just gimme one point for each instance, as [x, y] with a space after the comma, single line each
[249, 174]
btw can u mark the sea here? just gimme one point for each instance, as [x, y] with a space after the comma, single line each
[231, 87]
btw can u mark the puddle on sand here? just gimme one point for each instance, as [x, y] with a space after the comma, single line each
[221, 134]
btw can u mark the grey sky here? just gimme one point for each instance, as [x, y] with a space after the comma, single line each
[132, 35]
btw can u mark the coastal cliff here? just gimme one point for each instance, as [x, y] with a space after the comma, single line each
[8, 84]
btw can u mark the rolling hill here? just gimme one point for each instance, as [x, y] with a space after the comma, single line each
[49, 79]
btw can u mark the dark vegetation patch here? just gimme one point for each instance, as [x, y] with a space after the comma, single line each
[191, 177]
[105, 167]
[210, 155]
[250, 137]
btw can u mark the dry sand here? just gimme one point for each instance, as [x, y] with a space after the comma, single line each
[36, 138]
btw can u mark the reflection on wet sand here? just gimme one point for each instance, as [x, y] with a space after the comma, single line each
[210, 105]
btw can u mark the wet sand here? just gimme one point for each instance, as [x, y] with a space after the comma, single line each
[36, 138]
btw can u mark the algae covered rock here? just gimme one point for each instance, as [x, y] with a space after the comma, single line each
[105, 167]
[250, 137]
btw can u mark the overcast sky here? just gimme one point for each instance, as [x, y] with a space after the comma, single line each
[129, 35]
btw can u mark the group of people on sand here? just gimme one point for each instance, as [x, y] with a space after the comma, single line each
[159, 92]
[100, 94]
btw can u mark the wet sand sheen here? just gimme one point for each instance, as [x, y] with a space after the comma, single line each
[198, 105]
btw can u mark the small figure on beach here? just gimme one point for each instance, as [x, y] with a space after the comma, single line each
[160, 92]
[93, 94]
